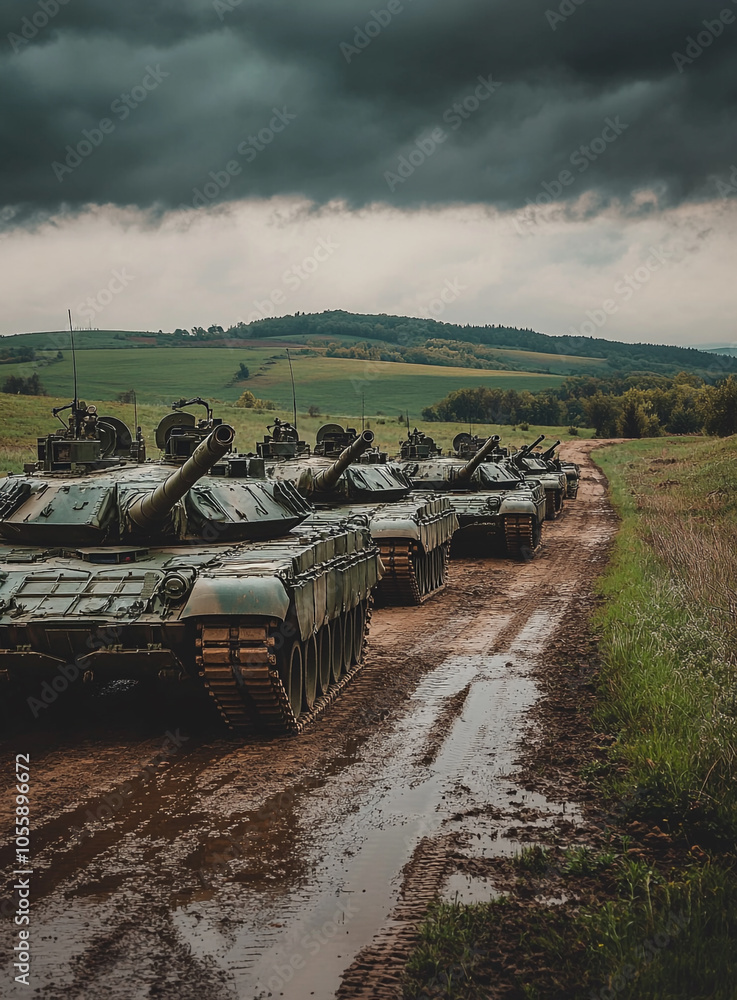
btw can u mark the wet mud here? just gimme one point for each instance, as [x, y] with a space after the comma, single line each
[173, 861]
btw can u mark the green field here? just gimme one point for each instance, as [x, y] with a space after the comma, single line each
[24, 418]
[160, 375]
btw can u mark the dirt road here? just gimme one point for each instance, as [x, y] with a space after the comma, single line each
[171, 861]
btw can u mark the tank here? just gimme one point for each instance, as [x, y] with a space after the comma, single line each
[571, 469]
[346, 473]
[535, 468]
[194, 569]
[497, 509]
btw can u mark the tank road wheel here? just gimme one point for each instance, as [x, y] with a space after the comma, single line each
[550, 508]
[359, 631]
[336, 639]
[309, 681]
[289, 666]
[347, 641]
[257, 683]
[324, 659]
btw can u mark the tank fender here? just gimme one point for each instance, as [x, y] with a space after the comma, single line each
[231, 595]
[383, 526]
[512, 504]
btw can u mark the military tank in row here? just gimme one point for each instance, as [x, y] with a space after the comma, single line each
[538, 469]
[195, 568]
[571, 470]
[497, 508]
[347, 473]
[250, 575]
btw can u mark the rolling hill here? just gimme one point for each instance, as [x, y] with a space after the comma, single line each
[401, 339]
[160, 375]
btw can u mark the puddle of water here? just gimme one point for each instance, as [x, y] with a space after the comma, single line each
[462, 888]
[394, 802]
[313, 879]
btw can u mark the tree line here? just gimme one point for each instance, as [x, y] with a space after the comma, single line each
[410, 333]
[634, 406]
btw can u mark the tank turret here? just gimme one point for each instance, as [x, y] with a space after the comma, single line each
[538, 468]
[418, 445]
[347, 473]
[282, 441]
[326, 479]
[466, 471]
[494, 504]
[526, 449]
[547, 455]
[179, 571]
[150, 509]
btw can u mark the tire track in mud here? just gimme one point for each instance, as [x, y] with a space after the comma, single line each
[538, 599]
[233, 851]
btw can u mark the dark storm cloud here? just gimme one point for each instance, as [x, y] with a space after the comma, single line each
[158, 104]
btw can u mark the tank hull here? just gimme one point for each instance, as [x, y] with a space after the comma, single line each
[413, 530]
[137, 613]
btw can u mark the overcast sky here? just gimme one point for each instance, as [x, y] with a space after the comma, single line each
[568, 166]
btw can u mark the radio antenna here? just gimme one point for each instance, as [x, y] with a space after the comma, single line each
[407, 423]
[74, 372]
[363, 411]
[294, 394]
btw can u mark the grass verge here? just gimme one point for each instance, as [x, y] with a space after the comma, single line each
[649, 911]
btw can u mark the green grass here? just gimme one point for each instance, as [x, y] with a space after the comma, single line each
[565, 364]
[669, 633]
[658, 936]
[660, 926]
[159, 374]
[24, 418]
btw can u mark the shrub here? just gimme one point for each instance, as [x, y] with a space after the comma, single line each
[251, 402]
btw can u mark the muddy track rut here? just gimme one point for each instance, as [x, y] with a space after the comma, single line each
[172, 861]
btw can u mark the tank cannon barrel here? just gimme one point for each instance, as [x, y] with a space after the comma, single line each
[548, 453]
[327, 478]
[526, 449]
[153, 507]
[466, 471]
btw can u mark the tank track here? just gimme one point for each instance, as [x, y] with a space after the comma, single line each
[572, 489]
[411, 577]
[553, 503]
[238, 666]
[519, 534]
